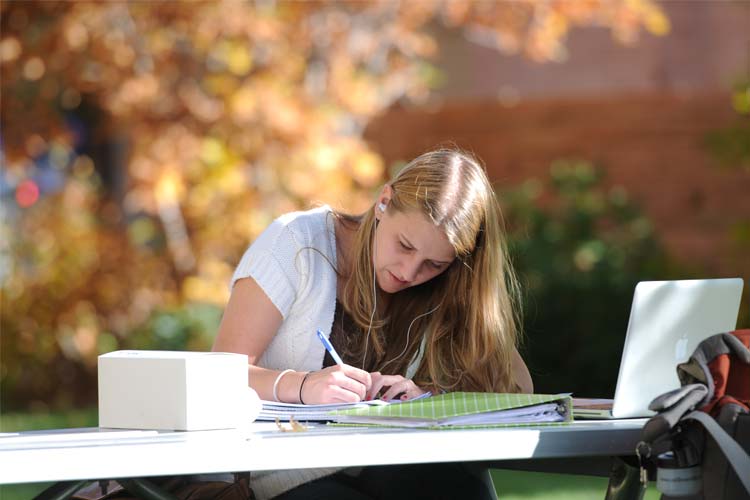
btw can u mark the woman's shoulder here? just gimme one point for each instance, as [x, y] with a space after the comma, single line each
[308, 224]
[314, 218]
[312, 227]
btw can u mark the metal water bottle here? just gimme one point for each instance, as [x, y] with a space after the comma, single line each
[676, 480]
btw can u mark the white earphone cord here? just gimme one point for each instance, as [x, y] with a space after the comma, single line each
[408, 330]
[374, 293]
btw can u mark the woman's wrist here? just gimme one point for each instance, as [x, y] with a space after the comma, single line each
[288, 389]
[277, 383]
[301, 387]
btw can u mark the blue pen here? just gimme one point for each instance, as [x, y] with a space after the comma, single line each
[330, 348]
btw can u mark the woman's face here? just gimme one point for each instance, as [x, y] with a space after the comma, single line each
[409, 250]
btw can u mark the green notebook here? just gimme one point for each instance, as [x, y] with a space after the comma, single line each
[464, 410]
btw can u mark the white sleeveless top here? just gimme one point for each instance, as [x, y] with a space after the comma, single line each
[294, 263]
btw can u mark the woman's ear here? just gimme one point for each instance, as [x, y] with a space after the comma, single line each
[382, 203]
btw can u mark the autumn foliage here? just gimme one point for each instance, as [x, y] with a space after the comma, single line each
[144, 144]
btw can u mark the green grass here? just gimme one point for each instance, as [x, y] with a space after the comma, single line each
[518, 485]
[13, 422]
[510, 485]
[21, 491]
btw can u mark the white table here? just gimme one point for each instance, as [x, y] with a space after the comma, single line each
[91, 453]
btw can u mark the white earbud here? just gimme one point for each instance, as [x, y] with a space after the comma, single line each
[381, 207]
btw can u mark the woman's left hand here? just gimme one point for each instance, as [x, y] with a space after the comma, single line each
[396, 384]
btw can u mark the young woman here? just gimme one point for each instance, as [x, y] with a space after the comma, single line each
[417, 294]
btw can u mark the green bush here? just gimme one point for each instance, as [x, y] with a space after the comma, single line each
[31, 382]
[579, 247]
[191, 327]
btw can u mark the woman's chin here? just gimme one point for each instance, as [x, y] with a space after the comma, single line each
[388, 289]
[389, 284]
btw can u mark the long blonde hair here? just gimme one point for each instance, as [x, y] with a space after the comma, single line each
[471, 335]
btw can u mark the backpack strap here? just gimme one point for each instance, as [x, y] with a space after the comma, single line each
[656, 435]
[671, 407]
[736, 456]
[697, 369]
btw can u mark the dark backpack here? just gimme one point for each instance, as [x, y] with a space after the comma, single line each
[703, 428]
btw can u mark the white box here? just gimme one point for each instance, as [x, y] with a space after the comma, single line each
[170, 390]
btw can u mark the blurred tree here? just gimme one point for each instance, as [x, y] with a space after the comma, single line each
[146, 143]
[731, 146]
[580, 248]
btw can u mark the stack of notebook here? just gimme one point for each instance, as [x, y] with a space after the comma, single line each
[451, 410]
[309, 413]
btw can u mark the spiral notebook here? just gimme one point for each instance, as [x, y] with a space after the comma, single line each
[321, 412]
[309, 413]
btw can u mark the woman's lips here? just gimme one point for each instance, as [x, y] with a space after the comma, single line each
[399, 281]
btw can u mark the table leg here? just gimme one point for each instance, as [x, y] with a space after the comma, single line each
[141, 488]
[145, 489]
[60, 491]
[624, 480]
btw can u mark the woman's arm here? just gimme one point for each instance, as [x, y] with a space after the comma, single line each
[249, 324]
[521, 373]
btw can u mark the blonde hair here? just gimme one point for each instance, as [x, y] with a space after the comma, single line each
[471, 336]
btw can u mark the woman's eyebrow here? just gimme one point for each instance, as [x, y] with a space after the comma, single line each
[408, 243]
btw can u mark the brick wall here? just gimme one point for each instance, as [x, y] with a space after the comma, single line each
[651, 144]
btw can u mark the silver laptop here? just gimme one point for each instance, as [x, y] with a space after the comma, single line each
[668, 319]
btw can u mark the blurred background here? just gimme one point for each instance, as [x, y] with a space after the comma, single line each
[146, 144]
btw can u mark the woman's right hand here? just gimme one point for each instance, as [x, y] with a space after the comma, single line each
[336, 384]
[249, 305]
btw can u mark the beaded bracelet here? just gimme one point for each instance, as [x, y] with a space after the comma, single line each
[301, 386]
[276, 384]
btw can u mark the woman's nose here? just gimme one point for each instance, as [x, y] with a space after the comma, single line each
[410, 269]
